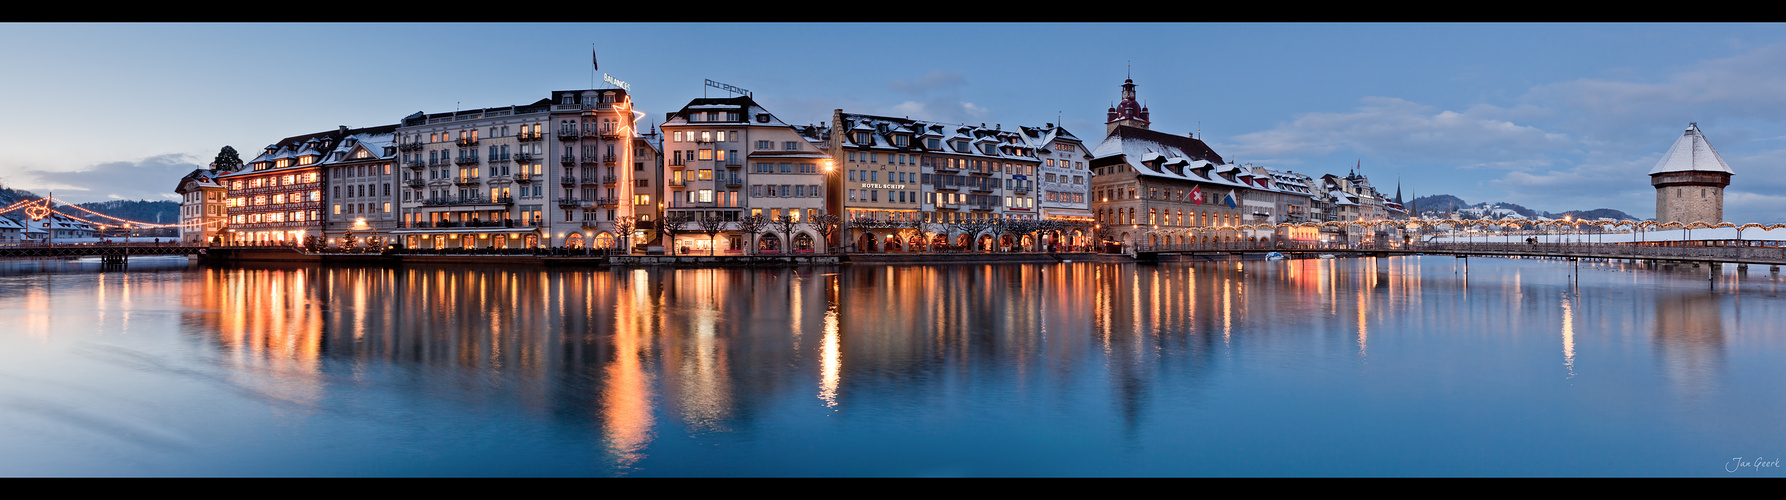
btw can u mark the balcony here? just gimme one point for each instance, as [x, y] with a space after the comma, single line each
[734, 164]
[499, 158]
[567, 133]
[589, 159]
[980, 188]
[528, 136]
[677, 163]
[980, 206]
[610, 180]
[417, 183]
[448, 201]
[568, 180]
[1020, 190]
[569, 202]
[678, 183]
[945, 187]
[467, 181]
[607, 202]
[568, 159]
[416, 164]
[466, 160]
[609, 159]
[734, 182]
[610, 133]
[523, 178]
[442, 162]
[410, 146]
[467, 142]
[526, 158]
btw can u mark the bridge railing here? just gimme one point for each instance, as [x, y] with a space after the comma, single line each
[1592, 250]
[1714, 253]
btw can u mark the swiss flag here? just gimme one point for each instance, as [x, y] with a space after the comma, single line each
[1196, 195]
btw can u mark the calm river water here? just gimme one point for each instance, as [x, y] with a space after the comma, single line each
[1403, 366]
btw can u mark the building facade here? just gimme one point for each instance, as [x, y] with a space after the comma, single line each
[361, 189]
[1063, 186]
[474, 178]
[728, 159]
[277, 198]
[203, 214]
[604, 194]
[899, 171]
[558, 172]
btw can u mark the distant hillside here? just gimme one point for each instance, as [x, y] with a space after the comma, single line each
[1439, 203]
[1599, 213]
[1442, 204]
[9, 195]
[154, 212]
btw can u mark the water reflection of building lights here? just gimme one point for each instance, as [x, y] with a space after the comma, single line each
[830, 358]
[1568, 338]
[1363, 330]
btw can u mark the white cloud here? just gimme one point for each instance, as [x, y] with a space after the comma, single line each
[937, 96]
[1395, 128]
[1744, 207]
[1748, 85]
[149, 178]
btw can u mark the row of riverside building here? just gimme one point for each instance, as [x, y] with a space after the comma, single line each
[577, 170]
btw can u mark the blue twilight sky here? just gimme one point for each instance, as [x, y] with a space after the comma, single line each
[1550, 116]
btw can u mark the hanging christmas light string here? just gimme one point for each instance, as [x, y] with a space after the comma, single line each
[120, 219]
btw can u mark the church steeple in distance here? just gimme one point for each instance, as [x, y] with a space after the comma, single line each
[1129, 112]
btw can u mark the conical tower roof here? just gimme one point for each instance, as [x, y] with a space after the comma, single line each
[1691, 153]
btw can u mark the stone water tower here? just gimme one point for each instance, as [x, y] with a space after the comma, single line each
[1690, 181]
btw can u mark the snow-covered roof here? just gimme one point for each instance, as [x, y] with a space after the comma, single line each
[1691, 152]
[991, 142]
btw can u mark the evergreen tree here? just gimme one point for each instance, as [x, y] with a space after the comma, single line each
[227, 160]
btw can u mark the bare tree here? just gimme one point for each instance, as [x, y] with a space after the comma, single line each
[675, 222]
[750, 225]
[826, 225]
[712, 225]
[787, 224]
[624, 225]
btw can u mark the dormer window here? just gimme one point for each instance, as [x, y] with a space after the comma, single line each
[732, 116]
[899, 140]
[762, 117]
[861, 137]
[933, 143]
